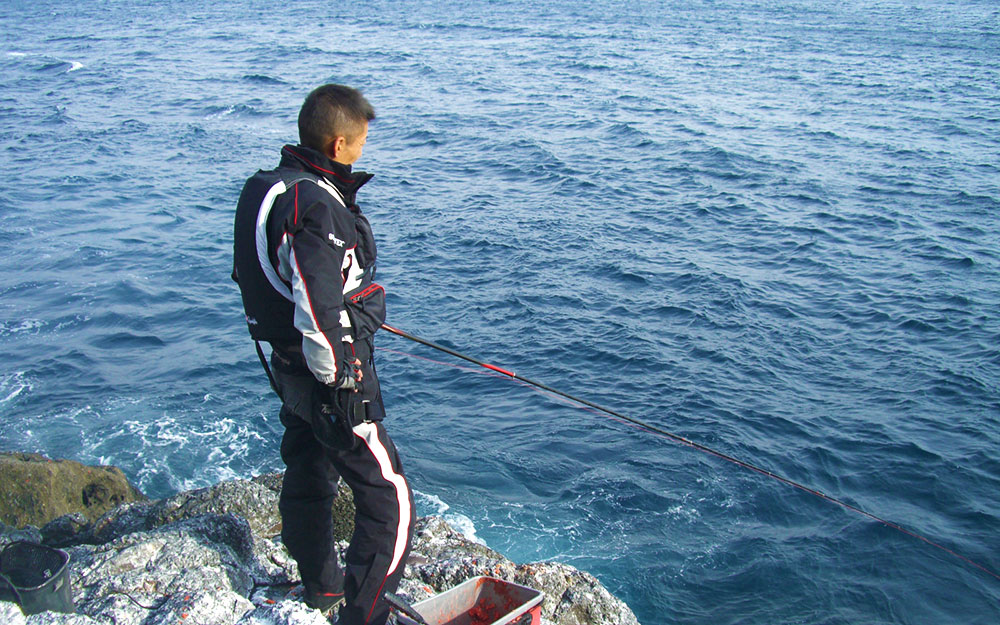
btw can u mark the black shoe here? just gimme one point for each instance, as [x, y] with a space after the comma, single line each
[325, 602]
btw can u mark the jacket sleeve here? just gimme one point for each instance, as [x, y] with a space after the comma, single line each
[318, 239]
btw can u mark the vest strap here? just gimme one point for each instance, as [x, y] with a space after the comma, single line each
[267, 370]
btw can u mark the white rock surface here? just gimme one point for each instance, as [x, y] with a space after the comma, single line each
[196, 559]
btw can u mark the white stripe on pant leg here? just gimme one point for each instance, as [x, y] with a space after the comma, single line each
[369, 433]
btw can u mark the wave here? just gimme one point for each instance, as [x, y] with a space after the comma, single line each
[264, 79]
[48, 64]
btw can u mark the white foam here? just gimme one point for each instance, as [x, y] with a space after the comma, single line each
[22, 326]
[14, 393]
[73, 416]
[684, 512]
[73, 66]
[465, 526]
[13, 385]
[168, 431]
[438, 504]
[76, 320]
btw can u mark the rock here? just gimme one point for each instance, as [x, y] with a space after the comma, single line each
[343, 513]
[204, 566]
[343, 505]
[52, 618]
[11, 614]
[442, 558]
[284, 613]
[201, 608]
[10, 534]
[254, 502]
[38, 490]
[126, 519]
[211, 556]
[66, 530]
[271, 481]
[573, 596]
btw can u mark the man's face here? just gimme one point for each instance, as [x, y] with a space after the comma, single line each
[350, 151]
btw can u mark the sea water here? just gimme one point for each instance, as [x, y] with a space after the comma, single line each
[769, 227]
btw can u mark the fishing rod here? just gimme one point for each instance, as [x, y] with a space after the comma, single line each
[685, 441]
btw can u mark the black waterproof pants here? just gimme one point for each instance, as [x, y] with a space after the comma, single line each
[383, 522]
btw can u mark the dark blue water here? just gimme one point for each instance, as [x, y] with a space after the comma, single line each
[769, 227]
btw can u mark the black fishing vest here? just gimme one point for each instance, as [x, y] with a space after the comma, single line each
[269, 313]
[267, 300]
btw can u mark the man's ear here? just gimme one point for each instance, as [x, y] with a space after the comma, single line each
[334, 147]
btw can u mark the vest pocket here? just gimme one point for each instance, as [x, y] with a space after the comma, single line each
[366, 308]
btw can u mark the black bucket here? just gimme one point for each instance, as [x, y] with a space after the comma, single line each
[35, 577]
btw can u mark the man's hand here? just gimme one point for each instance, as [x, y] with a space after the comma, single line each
[353, 381]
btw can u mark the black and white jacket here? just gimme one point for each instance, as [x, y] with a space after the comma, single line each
[304, 253]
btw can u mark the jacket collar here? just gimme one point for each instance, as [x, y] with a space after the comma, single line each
[339, 175]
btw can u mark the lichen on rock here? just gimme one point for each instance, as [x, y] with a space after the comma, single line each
[37, 490]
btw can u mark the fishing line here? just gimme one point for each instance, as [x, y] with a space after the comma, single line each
[684, 441]
[519, 381]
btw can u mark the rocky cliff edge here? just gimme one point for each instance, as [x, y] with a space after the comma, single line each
[213, 556]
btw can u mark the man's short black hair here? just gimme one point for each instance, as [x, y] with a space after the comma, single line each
[332, 111]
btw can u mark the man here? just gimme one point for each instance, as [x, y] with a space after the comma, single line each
[305, 262]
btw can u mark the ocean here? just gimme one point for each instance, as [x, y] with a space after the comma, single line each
[770, 227]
